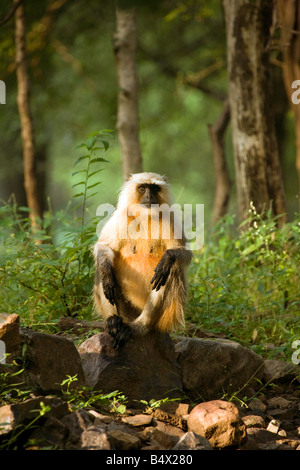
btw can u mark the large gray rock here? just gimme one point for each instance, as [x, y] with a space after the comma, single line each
[49, 359]
[143, 369]
[212, 368]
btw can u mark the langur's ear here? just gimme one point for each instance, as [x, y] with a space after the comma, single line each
[165, 179]
[129, 177]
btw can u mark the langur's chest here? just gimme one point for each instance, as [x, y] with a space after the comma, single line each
[147, 252]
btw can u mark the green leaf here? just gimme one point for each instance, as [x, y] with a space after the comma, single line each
[99, 159]
[93, 185]
[79, 194]
[77, 184]
[80, 159]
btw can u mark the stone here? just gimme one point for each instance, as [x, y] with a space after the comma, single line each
[144, 368]
[49, 359]
[24, 412]
[257, 405]
[100, 418]
[280, 371]
[95, 438]
[124, 441]
[138, 420]
[76, 423]
[192, 441]
[156, 436]
[53, 433]
[173, 431]
[170, 418]
[254, 421]
[219, 422]
[211, 368]
[9, 334]
[273, 426]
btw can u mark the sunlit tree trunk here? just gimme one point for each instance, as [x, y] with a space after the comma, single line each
[125, 46]
[223, 183]
[289, 23]
[23, 99]
[257, 167]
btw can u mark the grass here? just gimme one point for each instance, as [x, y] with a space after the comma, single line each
[245, 283]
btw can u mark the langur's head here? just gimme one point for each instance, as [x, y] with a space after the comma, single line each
[145, 189]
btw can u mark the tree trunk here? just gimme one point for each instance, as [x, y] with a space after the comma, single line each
[125, 46]
[223, 183]
[257, 167]
[289, 22]
[29, 155]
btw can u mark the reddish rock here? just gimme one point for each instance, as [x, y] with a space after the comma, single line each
[219, 422]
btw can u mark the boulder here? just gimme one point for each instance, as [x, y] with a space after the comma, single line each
[212, 368]
[144, 368]
[49, 359]
[9, 334]
[219, 422]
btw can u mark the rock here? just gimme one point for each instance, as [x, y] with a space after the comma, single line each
[138, 420]
[211, 368]
[9, 334]
[170, 418]
[48, 361]
[219, 422]
[76, 423]
[95, 438]
[124, 441]
[279, 402]
[53, 433]
[24, 412]
[100, 418]
[254, 421]
[145, 368]
[257, 405]
[280, 371]
[192, 441]
[158, 437]
[177, 409]
[273, 426]
[174, 432]
[261, 436]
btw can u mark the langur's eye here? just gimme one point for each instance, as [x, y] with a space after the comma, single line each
[142, 189]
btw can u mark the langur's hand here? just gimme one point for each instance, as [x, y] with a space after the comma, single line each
[162, 270]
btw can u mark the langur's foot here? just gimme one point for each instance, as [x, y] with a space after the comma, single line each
[118, 330]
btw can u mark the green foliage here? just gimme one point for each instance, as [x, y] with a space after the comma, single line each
[42, 282]
[86, 397]
[246, 283]
[11, 443]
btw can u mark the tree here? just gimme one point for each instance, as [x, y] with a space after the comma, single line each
[223, 183]
[289, 23]
[257, 168]
[23, 99]
[125, 45]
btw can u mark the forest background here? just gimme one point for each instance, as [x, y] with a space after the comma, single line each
[188, 69]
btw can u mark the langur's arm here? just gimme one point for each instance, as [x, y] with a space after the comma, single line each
[104, 257]
[181, 255]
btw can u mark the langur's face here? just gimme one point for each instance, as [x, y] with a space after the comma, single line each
[148, 194]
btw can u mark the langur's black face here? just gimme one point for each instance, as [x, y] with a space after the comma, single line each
[148, 194]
